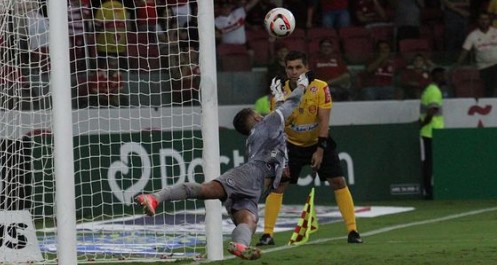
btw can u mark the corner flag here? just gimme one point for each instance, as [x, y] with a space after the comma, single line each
[308, 222]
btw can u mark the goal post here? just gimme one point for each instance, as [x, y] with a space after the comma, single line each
[99, 102]
[63, 135]
[210, 122]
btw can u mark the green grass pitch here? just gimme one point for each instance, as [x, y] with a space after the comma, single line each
[437, 232]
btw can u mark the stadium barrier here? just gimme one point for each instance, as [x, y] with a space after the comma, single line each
[464, 163]
[378, 145]
[381, 162]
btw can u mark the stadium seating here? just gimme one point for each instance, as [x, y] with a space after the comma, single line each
[235, 63]
[426, 32]
[260, 47]
[466, 82]
[295, 44]
[431, 15]
[298, 33]
[410, 47]
[360, 80]
[321, 33]
[227, 49]
[315, 35]
[353, 32]
[313, 46]
[258, 34]
[357, 44]
[414, 45]
[383, 33]
[233, 58]
[438, 36]
[357, 50]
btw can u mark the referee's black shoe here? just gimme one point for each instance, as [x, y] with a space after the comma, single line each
[354, 237]
[265, 240]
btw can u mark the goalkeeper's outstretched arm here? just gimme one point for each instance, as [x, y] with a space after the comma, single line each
[290, 103]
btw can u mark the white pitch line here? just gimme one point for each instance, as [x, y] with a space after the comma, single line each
[378, 231]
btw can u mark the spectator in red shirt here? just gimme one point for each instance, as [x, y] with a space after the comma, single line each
[146, 15]
[79, 14]
[380, 74]
[12, 82]
[416, 77]
[103, 87]
[186, 75]
[14, 87]
[335, 14]
[329, 65]
[147, 20]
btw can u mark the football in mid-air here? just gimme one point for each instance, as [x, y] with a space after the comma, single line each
[279, 22]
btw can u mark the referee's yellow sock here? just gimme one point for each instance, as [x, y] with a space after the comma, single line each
[271, 212]
[346, 207]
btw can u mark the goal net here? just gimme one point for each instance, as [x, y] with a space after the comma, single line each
[137, 124]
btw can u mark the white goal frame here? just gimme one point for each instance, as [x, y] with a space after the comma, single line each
[63, 141]
[63, 134]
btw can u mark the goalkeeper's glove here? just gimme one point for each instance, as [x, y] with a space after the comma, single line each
[277, 90]
[305, 79]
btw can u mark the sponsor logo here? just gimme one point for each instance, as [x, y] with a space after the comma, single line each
[230, 182]
[327, 94]
[331, 63]
[13, 235]
[312, 109]
[304, 127]
[477, 110]
[18, 242]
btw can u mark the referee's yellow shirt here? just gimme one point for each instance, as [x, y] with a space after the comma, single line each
[302, 127]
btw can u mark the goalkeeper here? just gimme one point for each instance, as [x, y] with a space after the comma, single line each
[241, 188]
[309, 143]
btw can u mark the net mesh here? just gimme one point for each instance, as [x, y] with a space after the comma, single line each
[136, 122]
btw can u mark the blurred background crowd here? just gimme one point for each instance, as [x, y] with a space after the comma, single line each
[364, 49]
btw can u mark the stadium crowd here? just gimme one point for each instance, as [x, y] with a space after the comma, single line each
[365, 49]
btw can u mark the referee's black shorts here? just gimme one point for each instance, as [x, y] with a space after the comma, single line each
[299, 157]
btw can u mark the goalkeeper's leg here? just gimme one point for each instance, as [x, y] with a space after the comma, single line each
[183, 191]
[242, 235]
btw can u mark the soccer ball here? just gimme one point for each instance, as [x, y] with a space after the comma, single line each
[279, 22]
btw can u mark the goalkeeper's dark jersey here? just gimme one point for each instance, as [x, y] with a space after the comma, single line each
[267, 140]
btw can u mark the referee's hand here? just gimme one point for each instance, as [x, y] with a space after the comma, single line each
[317, 159]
